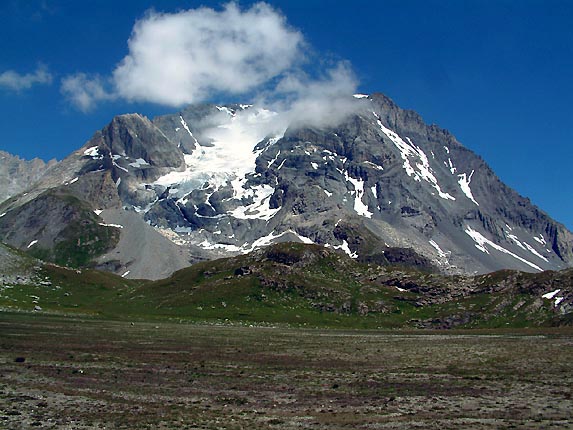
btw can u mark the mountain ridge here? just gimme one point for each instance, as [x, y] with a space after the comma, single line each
[222, 180]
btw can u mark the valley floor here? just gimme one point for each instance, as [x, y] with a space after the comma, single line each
[74, 373]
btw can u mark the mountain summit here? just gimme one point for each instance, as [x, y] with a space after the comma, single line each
[144, 198]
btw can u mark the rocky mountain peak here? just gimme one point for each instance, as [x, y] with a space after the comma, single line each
[380, 186]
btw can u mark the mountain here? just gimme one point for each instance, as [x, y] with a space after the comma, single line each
[16, 174]
[143, 198]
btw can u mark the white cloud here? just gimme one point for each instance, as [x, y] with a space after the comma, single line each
[190, 56]
[85, 91]
[181, 58]
[319, 102]
[17, 82]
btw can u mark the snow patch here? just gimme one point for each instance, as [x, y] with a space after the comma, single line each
[98, 211]
[481, 242]
[260, 208]
[516, 240]
[32, 244]
[359, 207]
[186, 127]
[451, 166]
[344, 247]
[374, 191]
[226, 110]
[360, 96]
[126, 273]
[111, 225]
[464, 181]
[328, 193]
[410, 152]
[138, 163]
[551, 294]
[540, 239]
[274, 159]
[4, 213]
[437, 247]
[94, 153]
[314, 165]
[373, 165]
[534, 251]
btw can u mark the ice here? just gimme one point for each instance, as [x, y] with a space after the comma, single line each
[231, 156]
[359, 207]
[464, 181]
[138, 163]
[410, 152]
[360, 96]
[551, 294]
[260, 208]
[481, 241]
[32, 243]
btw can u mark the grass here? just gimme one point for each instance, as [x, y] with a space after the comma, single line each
[288, 285]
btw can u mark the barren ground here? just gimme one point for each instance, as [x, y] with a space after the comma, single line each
[72, 373]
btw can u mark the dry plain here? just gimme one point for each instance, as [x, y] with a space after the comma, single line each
[82, 373]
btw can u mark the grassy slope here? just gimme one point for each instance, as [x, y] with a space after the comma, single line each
[293, 284]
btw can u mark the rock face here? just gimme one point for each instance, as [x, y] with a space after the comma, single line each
[381, 186]
[16, 175]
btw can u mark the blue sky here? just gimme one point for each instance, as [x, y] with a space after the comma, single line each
[497, 74]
